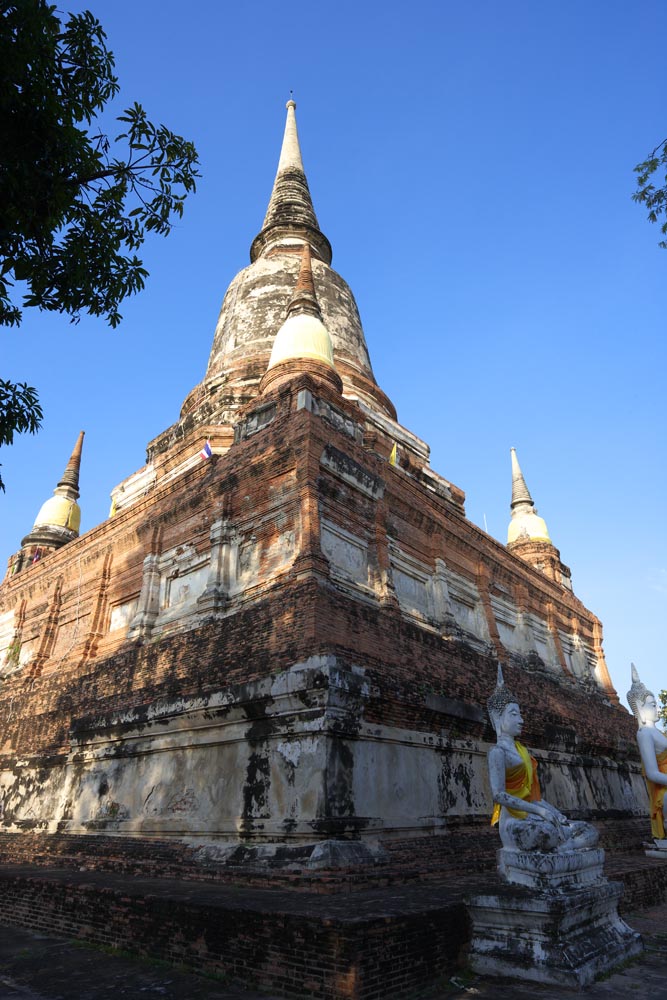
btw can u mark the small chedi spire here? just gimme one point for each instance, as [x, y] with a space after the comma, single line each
[528, 536]
[304, 299]
[525, 524]
[290, 213]
[69, 483]
[520, 492]
[303, 342]
[59, 518]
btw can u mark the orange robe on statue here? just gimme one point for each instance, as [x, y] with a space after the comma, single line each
[521, 781]
[656, 795]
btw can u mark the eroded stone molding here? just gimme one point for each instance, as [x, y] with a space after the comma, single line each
[347, 554]
[100, 611]
[50, 631]
[10, 644]
[183, 586]
[289, 757]
[222, 566]
[149, 599]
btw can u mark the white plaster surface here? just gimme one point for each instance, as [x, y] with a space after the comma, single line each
[212, 767]
[9, 655]
[122, 614]
[347, 553]
[134, 487]
[467, 606]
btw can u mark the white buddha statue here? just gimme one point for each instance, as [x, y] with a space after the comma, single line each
[527, 822]
[653, 750]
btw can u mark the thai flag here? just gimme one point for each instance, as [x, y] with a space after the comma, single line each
[206, 451]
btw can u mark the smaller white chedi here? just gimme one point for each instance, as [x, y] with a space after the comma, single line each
[303, 334]
[526, 524]
[302, 342]
[653, 750]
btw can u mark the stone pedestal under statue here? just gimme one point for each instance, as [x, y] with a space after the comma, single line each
[555, 920]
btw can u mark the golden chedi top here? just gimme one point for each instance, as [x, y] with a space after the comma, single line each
[59, 512]
[525, 524]
[59, 518]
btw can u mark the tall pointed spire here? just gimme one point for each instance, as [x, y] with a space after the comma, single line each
[520, 492]
[69, 483]
[59, 518]
[290, 159]
[257, 299]
[290, 215]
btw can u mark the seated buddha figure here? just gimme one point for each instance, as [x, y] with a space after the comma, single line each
[527, 822]
[653, 750]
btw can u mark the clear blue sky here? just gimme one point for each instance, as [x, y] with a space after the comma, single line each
[471, 164]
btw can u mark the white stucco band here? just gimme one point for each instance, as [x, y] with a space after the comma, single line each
[304, 769]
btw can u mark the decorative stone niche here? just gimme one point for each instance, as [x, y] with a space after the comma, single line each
[183, 574]
[513, 628]
[171, 584]
[578, 656]
[543, 639]
[411, 582]
[347, 554]
[10, 645]
[467, 609]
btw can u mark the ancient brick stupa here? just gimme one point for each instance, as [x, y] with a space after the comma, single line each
[287, 646]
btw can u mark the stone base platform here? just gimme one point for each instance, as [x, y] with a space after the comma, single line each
[370, 944]
[358, 934]
[565, 938]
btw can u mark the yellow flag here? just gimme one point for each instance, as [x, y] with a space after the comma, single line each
[392, 457]
[113, 507]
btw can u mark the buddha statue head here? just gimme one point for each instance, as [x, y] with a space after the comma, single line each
[503, 708]
[642, 701]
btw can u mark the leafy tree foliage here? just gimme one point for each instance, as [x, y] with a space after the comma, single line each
[663, 706]
[19, 411]
[654, 198]
[75, 205]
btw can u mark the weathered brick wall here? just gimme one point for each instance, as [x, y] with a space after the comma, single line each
[408, 665]
[275, 489]
[262, 483]
[280, 948]
[293, 946]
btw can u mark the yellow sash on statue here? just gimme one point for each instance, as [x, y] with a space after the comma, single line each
[656, 794]
[520, 781]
